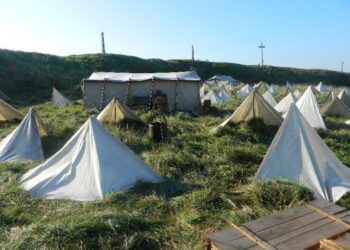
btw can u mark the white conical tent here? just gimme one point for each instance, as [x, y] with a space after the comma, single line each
[297, 93]
[90, 165]
[347, 91]
[202, 91]
[225, 96]
[330, 97]
[322, 88]
[245, 91]
[58, 99]
[253, 107]
[222, 80]
[335, 107]
[298, 154]
[344, 97]
[289, 86]
[269, 98]
[213, 97]
[284, 105]
[308, 106]
[262, 86]
[117, 112]
[24, 143]
[9, 113]
[273, 89]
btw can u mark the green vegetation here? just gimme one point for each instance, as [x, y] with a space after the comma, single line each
[28, 77]
[208, 186]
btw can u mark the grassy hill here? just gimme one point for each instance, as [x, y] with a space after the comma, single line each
[28, 77]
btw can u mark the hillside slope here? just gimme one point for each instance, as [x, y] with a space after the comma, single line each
[30, 76]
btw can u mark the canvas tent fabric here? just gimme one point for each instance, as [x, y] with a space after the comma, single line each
[289, 86]
[9, 113]
[213, 97]
[60, 100]
[330, 97]
[245, 91]
[224, 95]
[181, 89]
[273, 89]
[262, 86]
[322, 88]
[284, 105]
[253, 107]
[308, 106]
[117, 112]
[336, 107]
[23, 144]
[314, 90]
[269, 98]
[298, 154]
[90, 165]
[344, 97]
[297, 93]
[347, 91]
[221, 80]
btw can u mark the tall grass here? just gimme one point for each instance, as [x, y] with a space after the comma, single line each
[207, 186]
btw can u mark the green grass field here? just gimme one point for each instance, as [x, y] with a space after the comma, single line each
[208, 185]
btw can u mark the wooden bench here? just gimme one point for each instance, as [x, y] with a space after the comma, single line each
[301, 227]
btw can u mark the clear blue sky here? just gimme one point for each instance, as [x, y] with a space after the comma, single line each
[298, 33]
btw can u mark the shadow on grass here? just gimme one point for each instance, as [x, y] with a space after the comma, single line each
[166, 189]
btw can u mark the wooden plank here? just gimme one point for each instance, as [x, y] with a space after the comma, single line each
[330, 216]
[252, 237]
[242, 243]
[306, 229]
[329, 245]
[225, 236]
[301, 231]
[254, 248]
[309, 239]
[291, 225]
[222, 246]
[334, 209]
[279, 218]
[320, 203]
[343, 241]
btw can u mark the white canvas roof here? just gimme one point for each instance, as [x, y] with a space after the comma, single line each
[344, 97]
[245, 90]
[289, 86]
[138, 77]
[222, 78]
[298, 154]
[335, 107]
[308, 106]
[322, 88]
[297, 93]
[24, 143]
[90, 165]
[253, 107]
[262, 85]
[213, 97]
[284, 105]
[225, 96]
[117, 112]
[273, 89]
[58, 99]
[269, 98]
[9, 113]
